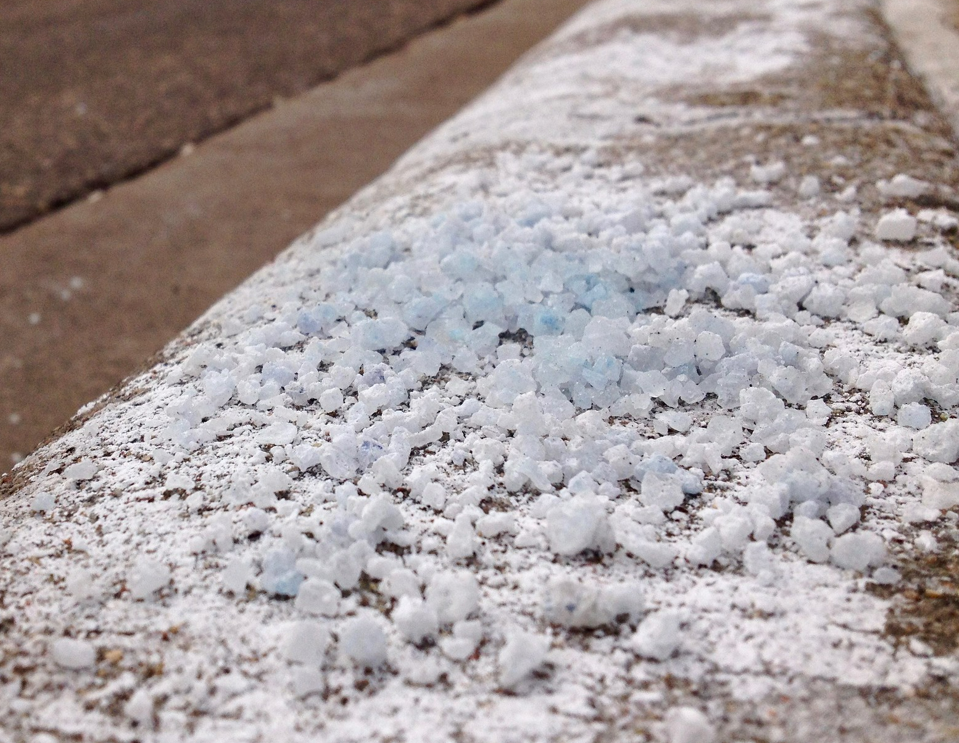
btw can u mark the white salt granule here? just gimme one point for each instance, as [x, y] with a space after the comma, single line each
[146, 578]
[808, 187]
[466, 636]
[812, 537]
[307, 680]
[363, 641]
[43, 503]
[461, 542]
[453, 595]
[522, 654]
[139, 708]
[842, 517]
[914, 415]
[689, 725]
[80, 471]
[73, 654]
[306, 642]
[236, 576]
[923, 329]
[938, 442]
[401, 582]
[902, 186]
[658, 635]
[858, 550]
[770, 173]
[318, 596]
[897, 226]
[661, 491]
[578, 524]
[415, 619]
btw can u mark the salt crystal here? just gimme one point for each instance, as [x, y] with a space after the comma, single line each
[453, 595]
[770, 173]
[569, 603]
[578, 524]
[363, 641]
[466, 636]
[903, 186]
[80, 471]
[812, 536]
[661, 491]
[401, 582]
[658, 636]
[808, 187]
[237, 576]
[43, 503]
[415, 619]
[914, 415]
[689, 725]
[923, 329]
[147, 577]
[318, 596]
[521, 655]
[938, 442]
[73, 654]
[139, 708]
[858, 550]
[842, 517]
[897, 225]
[461, 542]
[306, 642]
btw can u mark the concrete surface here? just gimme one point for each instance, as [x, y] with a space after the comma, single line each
[90, 292]
[928, 32]
[96, 91]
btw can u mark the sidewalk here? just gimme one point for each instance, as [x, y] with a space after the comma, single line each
[623, 407]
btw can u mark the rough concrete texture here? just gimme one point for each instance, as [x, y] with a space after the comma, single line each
[840, 107]
[91, 292]
[95, 92]
[928, 31]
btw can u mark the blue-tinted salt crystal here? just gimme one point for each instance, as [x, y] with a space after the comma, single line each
[379, 251]
[380, 335]
[419, 312]
[460, 264]
[482, 303]
[280, 576]
[534, 213]
[546, 322]
[312, 322]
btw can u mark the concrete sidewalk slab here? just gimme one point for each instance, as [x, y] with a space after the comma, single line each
[89, 293]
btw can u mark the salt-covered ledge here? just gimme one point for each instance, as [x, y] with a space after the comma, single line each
[621, 409]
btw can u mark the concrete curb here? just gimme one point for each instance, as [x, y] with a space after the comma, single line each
[930, 42]
[623, 407]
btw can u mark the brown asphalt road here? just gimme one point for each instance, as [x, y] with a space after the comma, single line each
[90, 291]
[93, 91]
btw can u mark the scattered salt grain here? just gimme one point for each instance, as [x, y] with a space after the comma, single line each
[363, 641]
[73, 654]
[857, 551]
[306, 642]
[415, 620]
[903, 186]
[43, 503]
[658, 636]
[897, 226]
[522, 654]
[689, 725]
[146, 578]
